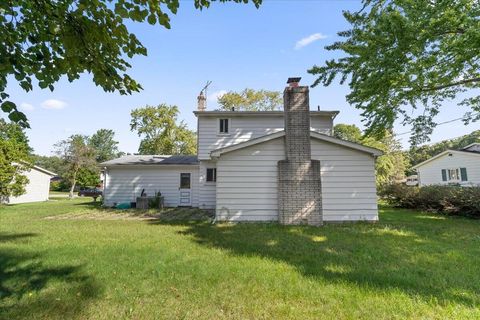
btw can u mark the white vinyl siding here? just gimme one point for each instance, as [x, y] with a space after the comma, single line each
[124, 184]
[348, 182]
[37, 188]
[247, 182]
[431, 172]
[244, 128]
[207, 190]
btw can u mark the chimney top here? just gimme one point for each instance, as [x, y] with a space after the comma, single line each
[201, 106]
[293, 81]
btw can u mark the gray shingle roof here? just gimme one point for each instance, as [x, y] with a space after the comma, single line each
[152, 160]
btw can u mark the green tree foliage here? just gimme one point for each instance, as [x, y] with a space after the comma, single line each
[77, 156]
[251, 100]
[88, 177]
[14, 160]
[422, 153]
[391, 166]
[41, 41]
[404, 55]
[161, 132]
[106, 148]
[349, 132]
[52, 163]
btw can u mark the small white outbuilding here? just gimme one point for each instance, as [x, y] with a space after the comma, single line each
[451, 167]
[37, 188]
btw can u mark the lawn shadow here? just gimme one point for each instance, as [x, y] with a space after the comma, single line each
[29, 288]
[7, 237]
[389, 256]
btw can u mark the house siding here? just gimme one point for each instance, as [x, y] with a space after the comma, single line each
[431, 172]
[124, 184]
[36, 190]
[247, 182]
[245, 128]
[207, 190]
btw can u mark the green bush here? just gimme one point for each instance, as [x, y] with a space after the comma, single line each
[456, 200]
[60, 185]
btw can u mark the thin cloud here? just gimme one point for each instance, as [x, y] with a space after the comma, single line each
[53, 104]
[215, 95]
[26, 106]
[309, 40]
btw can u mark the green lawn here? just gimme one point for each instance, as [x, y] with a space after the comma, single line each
[70, 259]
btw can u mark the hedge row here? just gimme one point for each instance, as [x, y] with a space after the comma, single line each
[456, 200]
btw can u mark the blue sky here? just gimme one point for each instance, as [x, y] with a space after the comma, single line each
[234, 45]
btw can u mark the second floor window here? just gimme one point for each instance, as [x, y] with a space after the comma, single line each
[223, 126]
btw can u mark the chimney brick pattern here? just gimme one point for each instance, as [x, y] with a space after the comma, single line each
[299, 180]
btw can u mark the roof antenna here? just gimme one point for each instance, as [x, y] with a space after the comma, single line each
[204, 91]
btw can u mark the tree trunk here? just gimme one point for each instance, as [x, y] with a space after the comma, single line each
[74, 181]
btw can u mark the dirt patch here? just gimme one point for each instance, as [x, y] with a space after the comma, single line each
[167, 214]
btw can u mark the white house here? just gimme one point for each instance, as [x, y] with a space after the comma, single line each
[259, 166]
[451, 167]
[37, 188]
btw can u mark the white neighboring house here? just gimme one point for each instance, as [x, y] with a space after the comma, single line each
[37, 188]
[451, 167]
[259, 166]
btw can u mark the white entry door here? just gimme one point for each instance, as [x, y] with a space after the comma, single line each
[185, 189]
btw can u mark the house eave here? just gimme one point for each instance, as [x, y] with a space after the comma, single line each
[218, 152]
[442, 154]
[313, 113]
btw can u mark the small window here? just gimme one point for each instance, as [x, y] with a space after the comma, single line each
[453, 175]
[223, 126]
[211, 174]
[184, 180]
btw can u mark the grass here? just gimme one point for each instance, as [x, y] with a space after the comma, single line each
[71, 259]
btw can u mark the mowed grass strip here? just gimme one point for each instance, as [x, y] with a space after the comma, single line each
[410, 265]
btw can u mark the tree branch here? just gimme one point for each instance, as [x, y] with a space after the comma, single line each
[453, 84]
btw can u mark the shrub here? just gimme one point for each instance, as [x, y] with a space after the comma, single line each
[60, 185]
[463, 201]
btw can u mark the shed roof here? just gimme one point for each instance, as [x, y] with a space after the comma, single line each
[152, 160]
[473, 147]
[50, 173]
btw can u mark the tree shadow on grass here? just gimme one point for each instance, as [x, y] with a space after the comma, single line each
[420, 258]
[29, 288]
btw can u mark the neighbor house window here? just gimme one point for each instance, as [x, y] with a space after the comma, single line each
[223, 126]
[211, 174]
[454, 175]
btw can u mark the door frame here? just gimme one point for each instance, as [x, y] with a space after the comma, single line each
[183, 191]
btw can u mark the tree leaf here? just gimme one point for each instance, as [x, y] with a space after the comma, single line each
[8, 106]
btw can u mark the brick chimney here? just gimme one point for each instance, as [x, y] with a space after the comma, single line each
[299, 184]
[201, 102]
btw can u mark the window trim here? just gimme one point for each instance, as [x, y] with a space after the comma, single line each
[229, 126]
[214, 173]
